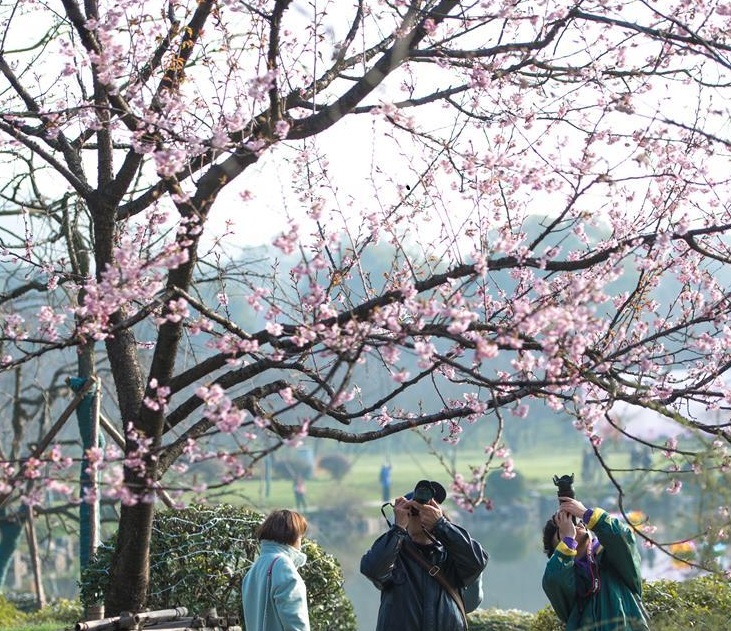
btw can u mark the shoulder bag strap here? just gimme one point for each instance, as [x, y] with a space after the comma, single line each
[268, 591]
[269, 571]
[433, 571]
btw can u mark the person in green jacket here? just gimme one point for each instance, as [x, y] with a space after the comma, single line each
[273, 593]
[592, 578]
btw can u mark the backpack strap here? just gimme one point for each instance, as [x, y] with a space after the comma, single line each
[434, 572]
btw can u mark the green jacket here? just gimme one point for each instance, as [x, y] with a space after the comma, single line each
[617, 604]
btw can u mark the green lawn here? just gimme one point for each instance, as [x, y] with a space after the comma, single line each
[361, 485]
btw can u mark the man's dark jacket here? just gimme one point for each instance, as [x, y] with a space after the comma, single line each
[411, 600]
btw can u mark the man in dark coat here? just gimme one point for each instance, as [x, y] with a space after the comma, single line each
[404, 564]
[592, 578]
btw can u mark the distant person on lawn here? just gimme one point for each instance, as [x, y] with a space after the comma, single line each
[384, 478]
[300, 494]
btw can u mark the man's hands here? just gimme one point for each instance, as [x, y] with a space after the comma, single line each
[402, 512]
[429, 514]
[409, 511]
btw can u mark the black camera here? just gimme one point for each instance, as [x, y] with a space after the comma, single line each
[565, 486]
[423, 492]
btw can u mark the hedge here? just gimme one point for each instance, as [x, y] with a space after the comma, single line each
[701, 603]
[198, 557]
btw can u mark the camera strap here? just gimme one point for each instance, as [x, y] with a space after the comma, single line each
[435, 573]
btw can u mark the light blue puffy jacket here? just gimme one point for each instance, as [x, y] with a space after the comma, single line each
[273, 593]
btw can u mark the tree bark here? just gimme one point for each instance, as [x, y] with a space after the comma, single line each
[130, 569]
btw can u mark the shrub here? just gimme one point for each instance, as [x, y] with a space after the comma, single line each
[499, 620]
[58, 612]
[505, 491]
[293, 468]
[337, 465]
[546, 620]
[24, 602]
[329, 607]
[198, 557]
[61, 611]
[702, 603]
[9, 613]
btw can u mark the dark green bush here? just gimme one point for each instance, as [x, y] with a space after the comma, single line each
[702, 603]
[505, 491]
[198, 557]
[337, 465]
[293, 464]
[329, 607]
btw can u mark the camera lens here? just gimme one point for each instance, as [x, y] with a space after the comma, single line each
[423, 493]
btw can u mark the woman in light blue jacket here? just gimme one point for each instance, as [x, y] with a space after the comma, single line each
[273, 593]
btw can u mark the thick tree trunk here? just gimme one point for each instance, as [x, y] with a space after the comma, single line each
[129, 573]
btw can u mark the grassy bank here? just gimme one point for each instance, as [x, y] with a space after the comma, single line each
[361, 486]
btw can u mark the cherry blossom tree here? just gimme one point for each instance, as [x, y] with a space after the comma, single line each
[550, 177]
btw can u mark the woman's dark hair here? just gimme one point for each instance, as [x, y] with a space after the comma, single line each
[282, 526]
[549, 533]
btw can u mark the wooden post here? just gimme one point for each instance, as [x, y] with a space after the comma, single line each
[94, 517]
[35, 560]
